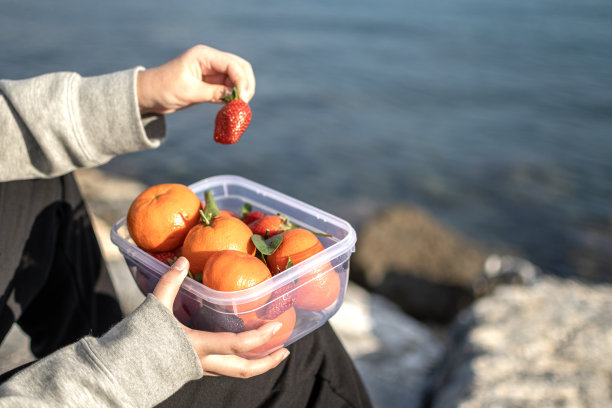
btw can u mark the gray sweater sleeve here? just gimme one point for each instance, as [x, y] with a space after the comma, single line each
[54, 123]
[139, 363]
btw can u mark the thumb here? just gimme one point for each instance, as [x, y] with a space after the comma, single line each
[210, 92]
[168, 286]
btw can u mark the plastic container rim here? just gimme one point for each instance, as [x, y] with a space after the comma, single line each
[198, 290]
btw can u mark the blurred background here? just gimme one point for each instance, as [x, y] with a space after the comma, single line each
[496, 117]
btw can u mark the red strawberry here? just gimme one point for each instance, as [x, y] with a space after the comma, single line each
[232, 120]
[284, 298]
[252, 216]
[167, 257]
[226, 322]
[270, 225]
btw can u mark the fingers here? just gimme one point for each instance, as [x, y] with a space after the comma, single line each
[219, 352]
[168, 286]
[239, 367]
[224, 64]
[200, 74]
[232, 343]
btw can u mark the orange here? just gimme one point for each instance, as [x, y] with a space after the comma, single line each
[230, 270]
[317, 289]
[226, 213]
[204, 239]
[287, 318]
[162, 215]
[298, 244]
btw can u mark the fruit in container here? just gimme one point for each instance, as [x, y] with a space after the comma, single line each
[215, 233]
[270, 225]
[229, 271]
[160, 217]
[316, 289]
[301, 297]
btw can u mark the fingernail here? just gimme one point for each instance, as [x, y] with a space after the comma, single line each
[244, 95]
[181, 264]
[286, 354]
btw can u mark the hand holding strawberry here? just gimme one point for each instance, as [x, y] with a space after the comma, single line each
[200, 74]
[232, 120]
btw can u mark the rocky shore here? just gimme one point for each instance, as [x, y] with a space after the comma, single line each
[434, 320]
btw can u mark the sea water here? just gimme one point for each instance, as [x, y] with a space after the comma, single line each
[494, 116]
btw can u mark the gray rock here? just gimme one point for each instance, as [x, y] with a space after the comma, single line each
[394, 353]
[423, 266]
[544, 345]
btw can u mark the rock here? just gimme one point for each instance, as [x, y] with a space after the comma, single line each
[544, 345]
[590, 253]
[394, 353]
[424, 267]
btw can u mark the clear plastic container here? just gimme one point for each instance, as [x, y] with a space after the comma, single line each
[280, 298]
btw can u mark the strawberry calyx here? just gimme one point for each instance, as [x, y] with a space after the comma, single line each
[233, 96]
[166, 257]
[248, 215]
[289, 265]
[195, 276]
[245, 209]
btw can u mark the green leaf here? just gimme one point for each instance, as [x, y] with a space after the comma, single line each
[289, 263]
[246, 208]
[198, 277]
[211, 207]
[288, 224]
[266, 246]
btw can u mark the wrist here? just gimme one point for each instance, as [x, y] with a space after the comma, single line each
[145, 102]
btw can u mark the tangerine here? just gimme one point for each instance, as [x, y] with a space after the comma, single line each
[298, 244]
[229, 270]
[207, 238]
[160, 217]
[226, 213]
[317, 289]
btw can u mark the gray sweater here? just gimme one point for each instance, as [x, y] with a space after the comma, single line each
[55, 123]
[50, 125]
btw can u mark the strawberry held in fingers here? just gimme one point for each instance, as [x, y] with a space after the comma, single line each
[232, 120]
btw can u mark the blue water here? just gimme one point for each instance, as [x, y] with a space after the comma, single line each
[494, 116]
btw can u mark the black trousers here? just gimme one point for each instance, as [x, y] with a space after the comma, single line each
[54, 285]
